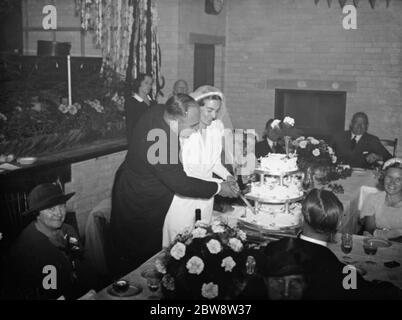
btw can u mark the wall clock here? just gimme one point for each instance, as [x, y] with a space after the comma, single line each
[213, 6]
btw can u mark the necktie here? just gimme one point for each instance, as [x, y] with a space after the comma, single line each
[273, 147]
[353, 143]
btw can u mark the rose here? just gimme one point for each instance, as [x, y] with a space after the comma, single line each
[209, 290]
[289, 121]
[275, 123]
[334, 159]
[201, 224]
[72, 109]
[316, 152]
[199, 233]
[3, 117]
[242, 235]
[228, 263]
[178, 251]
[303, 144]
[330, 150]
[73, 241]
[214, 246]
[235, 244]
[195, 265]
[216, 228]
[63, 108]
[168, 282]
[160, 266]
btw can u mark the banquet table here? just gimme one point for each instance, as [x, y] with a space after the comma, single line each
[358, 258]
[351, 200]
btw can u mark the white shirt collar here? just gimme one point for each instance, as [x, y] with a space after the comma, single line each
[312, 240]
[357, 136]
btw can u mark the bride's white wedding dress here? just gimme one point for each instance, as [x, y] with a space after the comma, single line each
[201, 157]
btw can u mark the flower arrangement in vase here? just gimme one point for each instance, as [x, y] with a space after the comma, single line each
[208, 262]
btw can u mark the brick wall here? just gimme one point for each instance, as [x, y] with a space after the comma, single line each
[92, 182]
[288, 41]
[193, 19]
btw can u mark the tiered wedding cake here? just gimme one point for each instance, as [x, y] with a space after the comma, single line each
[276, 193]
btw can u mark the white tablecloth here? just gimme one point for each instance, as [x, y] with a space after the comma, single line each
[356, 189]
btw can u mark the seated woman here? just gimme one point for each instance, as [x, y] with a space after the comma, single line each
[382, 211]
[45, 262]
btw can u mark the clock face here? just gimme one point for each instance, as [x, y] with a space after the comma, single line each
[213, 6]
[217, 5]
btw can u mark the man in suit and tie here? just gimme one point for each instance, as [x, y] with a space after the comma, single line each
[270, 141]
[147, 180]
[358, 148]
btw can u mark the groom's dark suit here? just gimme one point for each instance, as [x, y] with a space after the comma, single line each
[143, 192]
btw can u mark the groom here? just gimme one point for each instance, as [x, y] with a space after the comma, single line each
[144, 188]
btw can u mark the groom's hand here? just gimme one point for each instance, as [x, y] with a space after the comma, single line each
[233, 184]
[227, 190]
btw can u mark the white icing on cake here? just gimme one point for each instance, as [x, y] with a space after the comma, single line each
[274, 192]
[273, 217]
[278, 163]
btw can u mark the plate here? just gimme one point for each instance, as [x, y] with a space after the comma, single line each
[133, 290]
[379, 243]
[26, 160]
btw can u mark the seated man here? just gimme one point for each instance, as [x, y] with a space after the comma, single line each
[270, 141]
[46, 262]
[358, 148]
[317, 271]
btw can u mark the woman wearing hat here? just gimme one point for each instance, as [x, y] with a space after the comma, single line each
[45, 262]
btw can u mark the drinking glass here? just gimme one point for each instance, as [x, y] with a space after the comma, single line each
[153, 278]
[370, 248]
[346, 244]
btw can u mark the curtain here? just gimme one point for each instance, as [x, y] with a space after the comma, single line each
[126, 33]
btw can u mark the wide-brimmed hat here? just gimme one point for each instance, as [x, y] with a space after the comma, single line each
[45, 196]
[286, 257]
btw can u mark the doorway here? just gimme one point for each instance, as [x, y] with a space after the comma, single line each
[204, 65]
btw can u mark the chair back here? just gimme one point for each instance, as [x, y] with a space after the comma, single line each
[390, 145]
[95, 236]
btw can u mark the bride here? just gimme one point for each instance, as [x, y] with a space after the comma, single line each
[201, 158]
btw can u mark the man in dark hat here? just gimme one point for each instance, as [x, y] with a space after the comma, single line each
[45, 262]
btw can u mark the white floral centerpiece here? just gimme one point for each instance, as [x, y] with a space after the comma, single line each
[318, 158]
[208, 262]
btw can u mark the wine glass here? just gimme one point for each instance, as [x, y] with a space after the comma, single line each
[346, 244]
[370, 248]
[153, 278]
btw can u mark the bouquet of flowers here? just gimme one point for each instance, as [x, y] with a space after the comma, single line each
[208, 262]
[314, 153]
